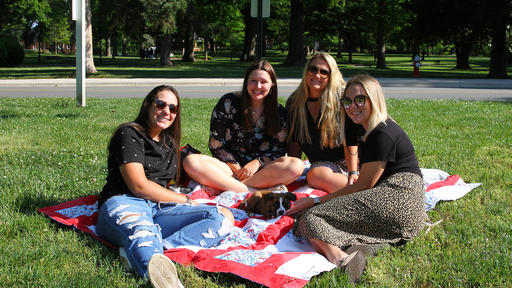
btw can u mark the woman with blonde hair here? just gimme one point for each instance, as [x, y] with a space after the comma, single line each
[316, 126]
[385, 205]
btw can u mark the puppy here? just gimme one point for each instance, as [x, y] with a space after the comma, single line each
[268, 204]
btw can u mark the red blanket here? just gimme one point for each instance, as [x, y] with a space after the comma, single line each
[263, 251]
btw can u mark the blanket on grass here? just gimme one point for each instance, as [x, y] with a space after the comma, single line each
[260, 250]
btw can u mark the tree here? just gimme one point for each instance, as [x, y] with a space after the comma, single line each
[56, 26]
[278, 29]
[57, 31]
[160, 18]
[500, 12]
[189, 21]
[296, 55]
[219, 21]
[249, 49]
[90, 68]
[460, 22]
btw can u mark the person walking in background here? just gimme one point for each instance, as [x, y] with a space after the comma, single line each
[385, 205]
[248, 132]
[136, 210]
[316, 126]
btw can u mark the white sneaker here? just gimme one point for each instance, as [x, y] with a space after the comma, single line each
[162, 272]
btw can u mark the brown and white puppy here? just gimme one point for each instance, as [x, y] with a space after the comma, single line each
[268, 203]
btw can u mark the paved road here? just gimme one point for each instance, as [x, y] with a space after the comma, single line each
[466, 89]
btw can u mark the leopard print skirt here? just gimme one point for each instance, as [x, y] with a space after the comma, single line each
[391, 212]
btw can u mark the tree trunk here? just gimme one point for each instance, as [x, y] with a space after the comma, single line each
[165, 50]
[498, 66]
[89, 58]
[251, 25]
[188, 53]
[296, 56]
[340, 46]
[212, 46]
[381, 35]
[462, 51]
[115, 45]
[123, 49]
[108, 47]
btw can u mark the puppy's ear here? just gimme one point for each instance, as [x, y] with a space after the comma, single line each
[250, 204]
[267, 205]
[291, 196]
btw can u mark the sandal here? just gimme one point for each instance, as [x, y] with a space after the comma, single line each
[279, 188]
[354, 265]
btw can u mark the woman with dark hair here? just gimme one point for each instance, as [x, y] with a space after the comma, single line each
[248, 132]
[315, 126]
[385, 205]
[136, 210]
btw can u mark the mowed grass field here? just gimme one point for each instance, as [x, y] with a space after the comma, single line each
[226, 64]
[52, 152]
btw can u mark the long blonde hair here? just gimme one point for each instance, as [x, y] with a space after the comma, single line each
[330, 118]
[374, 91]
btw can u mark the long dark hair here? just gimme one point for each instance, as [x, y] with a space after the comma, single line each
[270, 108]
[172, 135]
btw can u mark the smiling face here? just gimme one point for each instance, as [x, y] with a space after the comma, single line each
[259, 84]
[359, 115]
[161, 119]
[315, 80]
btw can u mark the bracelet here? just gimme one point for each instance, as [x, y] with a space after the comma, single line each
[262, 162]
[353, 173]
[188, 201]
[316, 201]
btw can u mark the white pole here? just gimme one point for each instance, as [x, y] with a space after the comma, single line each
[80, 51]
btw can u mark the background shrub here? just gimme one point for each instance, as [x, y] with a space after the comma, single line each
[11, 52]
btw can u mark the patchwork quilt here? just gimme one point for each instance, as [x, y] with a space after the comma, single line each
[261, 250]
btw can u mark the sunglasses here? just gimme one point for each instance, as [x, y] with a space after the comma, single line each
[159, 104]
[324, 73]
[359, 100]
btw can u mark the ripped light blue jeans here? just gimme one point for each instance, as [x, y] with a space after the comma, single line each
[144, 228]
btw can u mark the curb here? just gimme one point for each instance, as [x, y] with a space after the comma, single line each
[385, 82]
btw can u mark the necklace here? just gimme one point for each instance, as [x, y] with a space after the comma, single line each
[313, 99]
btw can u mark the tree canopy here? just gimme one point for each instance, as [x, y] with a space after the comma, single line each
[299, 27]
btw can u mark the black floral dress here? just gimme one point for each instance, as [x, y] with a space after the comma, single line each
[231, 143]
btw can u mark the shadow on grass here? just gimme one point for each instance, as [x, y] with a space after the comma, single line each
[67, 115]
[5, 115]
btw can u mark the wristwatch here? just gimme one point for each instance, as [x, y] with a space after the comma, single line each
[316, 200]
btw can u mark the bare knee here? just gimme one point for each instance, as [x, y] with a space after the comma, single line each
[193, 164]
[293, 167]
[315, 177]
[325, 179]
[227, 214]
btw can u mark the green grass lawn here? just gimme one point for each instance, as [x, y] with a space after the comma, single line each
[227, 65]
[52, 152]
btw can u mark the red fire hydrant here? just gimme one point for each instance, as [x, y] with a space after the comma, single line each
[416, 65]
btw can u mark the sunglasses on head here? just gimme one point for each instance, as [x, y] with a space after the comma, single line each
[173, 108]
[359, 100]
[316, 70]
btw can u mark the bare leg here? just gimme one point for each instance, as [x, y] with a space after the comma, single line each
[283, 170]
[332, 253]
[212, 172]
[325, 179]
